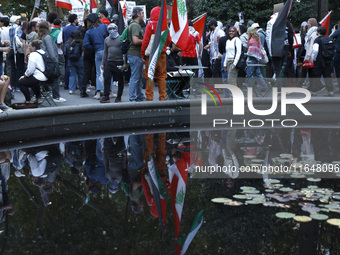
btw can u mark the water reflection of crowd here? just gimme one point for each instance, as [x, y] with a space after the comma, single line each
[105, 164]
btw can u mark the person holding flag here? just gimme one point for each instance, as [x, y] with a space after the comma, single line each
[336, 62]
[160, 70]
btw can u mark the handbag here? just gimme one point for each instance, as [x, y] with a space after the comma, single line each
[148, 49]
[264, 59]
[307, 64]
[241, 64]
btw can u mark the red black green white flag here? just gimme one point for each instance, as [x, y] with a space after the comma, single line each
[179, 27]
[161, 35]
[178, 175]
[183, 244]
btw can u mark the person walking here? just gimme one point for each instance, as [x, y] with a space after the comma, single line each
[94, 40]
[112, 64]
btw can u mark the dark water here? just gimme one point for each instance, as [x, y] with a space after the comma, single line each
[49, 217]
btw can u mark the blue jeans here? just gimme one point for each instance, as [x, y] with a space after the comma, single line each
[98, 60]
[76, 69]
[1, 65]
[135, 86]
[137, 148]
[254, 72]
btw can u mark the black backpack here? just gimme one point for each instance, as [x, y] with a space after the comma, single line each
[52, 69]
[73, 52]
[327, 48]
[125, 42]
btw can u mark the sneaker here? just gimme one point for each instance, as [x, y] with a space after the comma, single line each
[1, 111]
[118, 100]
[71, 92]
[38, 101]
[132, 100]
[112, 95]
[141, 99]
[83, 94]
[330, 94]
[97, 95]
[4, 107]
[105, 100]
[18, 173]
[59, 100]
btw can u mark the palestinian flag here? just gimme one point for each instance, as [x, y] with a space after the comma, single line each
[179, 27]
[159, 192]
[325, 22]
[66, 4]
[178, 175]
[276, 30]
[121, 23]
[183, 244]
[161, 35]
[199, 23]
[94, 7]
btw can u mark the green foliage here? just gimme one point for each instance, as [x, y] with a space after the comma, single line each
[16, 7]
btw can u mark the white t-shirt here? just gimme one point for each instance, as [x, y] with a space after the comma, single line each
[36, 66]
[60, 43]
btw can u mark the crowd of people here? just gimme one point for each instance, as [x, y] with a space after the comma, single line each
[91, 56]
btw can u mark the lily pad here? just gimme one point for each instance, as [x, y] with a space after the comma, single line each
[302, 218]
[221, 200]
[334, 210]
[298, 176]
[269, 191]
[318, 216]
[272, 181]
[334, 222]
[285, 215]
[240, 196]
[286, 189]
[336, 197]
[234, 203]
[314, 179]
[253, 202]
[313, 209]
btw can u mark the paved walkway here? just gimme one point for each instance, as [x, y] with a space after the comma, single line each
[75, 98]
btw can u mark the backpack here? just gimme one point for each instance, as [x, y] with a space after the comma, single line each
[52, 70]
[125, 42]
[327, 48]
[73, 53]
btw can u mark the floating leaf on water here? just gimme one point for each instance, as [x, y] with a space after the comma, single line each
[334, 210]
[314, 179]
[286, 189]
[253, 202]
[269, 190]
[272, 181]
[336, 197]
[221, 200]
[271, 204]
[247, 187]
[297, 176]
[311, 209]
[285, 215]
[332, 205]
[312, 186]
[258, 161]
[302, 218]
[234, 203]
[334, 222]
[238, 196]
[318, 216]
[325, 210]
[252, 191]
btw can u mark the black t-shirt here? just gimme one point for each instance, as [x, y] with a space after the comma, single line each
[23, 36]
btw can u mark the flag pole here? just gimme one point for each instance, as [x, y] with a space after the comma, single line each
[32, 14]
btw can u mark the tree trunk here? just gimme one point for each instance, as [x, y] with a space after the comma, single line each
[53, 8]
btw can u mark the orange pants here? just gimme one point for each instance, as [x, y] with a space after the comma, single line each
[159, 157]
[160, 74]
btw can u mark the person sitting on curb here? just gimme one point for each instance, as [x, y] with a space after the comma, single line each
[34, 72]
[4, 82]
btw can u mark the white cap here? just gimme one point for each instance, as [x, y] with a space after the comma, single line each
[14, 18]
[255, 25]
